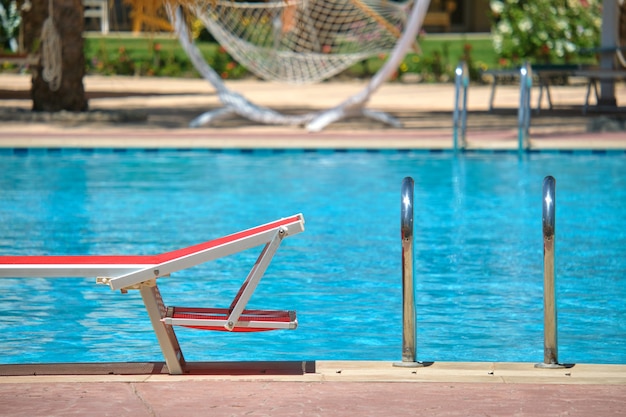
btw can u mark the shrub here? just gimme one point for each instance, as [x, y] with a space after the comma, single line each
[544, 31]
[225, 65]
[156, 60]
[436, 66]
[9, 24]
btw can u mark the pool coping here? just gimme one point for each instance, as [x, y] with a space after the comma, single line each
[319, 371]
[327, 141]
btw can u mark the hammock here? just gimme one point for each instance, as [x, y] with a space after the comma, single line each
[300, 41]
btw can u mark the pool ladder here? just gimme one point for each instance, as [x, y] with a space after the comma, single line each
[459, 115]
[409, 334]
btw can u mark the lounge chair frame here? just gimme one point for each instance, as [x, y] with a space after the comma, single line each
[140, 272]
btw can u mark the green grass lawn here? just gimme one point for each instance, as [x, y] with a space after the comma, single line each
[142, 47]
[481, 47]
[122, 53]
[117, 48]
[137, 47]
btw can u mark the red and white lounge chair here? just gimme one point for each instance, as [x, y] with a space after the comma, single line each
[124, 272]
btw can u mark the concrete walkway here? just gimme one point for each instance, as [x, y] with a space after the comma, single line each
[322, 388]
[334, 399]
[155, 112]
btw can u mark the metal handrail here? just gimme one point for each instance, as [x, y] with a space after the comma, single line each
[460, 106]
[409, 334]
[409, 345]
[550, 346]
[523, 112]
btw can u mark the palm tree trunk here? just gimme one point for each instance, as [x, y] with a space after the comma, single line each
[68, 22]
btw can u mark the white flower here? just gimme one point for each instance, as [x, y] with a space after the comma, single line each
[504, 27]
[558, 49]
[562, 24]
[597, 22]
[525, 24]
[497, 42]
[496, 6]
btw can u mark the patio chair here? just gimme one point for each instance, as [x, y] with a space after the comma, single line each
[126, 272]
[97, 9]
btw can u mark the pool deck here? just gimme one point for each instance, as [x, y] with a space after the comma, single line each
[153, 113]
[313, 388]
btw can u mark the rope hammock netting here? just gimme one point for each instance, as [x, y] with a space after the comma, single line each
[302, 41]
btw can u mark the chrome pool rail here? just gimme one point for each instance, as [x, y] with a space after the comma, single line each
[523, 112]
[409, 318]
[409, 335]
[550, 346]
[459, 116]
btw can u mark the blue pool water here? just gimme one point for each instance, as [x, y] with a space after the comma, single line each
[478, 251]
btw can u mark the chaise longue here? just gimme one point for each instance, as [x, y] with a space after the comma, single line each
[126, 272]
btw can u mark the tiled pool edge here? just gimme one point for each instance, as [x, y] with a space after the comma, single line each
[270, 138]
[269, 151]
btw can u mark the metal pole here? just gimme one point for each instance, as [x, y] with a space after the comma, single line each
[460, 106]
[408, 295]
[550, 347]
[523, 115]
[466, 80]
[609, 38]
[455, 115]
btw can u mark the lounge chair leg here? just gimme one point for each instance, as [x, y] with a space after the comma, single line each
[253, 279]
[165, 334]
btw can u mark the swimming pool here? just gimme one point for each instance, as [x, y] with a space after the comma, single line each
[478, 251]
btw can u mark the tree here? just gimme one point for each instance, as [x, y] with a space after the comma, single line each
[67, 17]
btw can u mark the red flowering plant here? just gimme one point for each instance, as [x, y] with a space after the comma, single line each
[225, 65]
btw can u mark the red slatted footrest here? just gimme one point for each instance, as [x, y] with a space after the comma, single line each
[216, 319]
